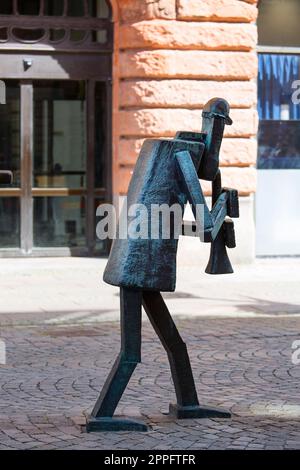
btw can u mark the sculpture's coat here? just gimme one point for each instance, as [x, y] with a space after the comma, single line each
[151, 263]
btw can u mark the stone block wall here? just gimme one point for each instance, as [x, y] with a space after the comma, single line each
[171, 57]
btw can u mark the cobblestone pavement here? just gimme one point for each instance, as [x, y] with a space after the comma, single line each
[54, 373]
[60, 325]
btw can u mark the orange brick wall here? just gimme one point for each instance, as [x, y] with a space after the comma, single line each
[171, 56]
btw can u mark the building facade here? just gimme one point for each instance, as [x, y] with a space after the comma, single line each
[87, 81]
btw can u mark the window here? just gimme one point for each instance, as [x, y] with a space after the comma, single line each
[30, 7]
[76, 8]
[6, 7]
[10, 222]
[71, 8]
[54, 7]
[65, 24]
[278, 23]
[279, 112]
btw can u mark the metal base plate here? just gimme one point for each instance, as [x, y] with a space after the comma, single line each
[115, 424]
[192, 412]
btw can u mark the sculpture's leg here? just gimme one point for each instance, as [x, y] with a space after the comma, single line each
[101, 418]
[187, 401]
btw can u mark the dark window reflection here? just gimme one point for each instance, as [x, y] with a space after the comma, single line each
[279, 145]
[100, 134]
[29, 7]
[57, 34]
[59, 221]
[77, 35]
[9, 222]
[6, 7]
[25, 34]
[3, 34]
[54, 7]
[10, 131]
[59, 134]
[76, 8]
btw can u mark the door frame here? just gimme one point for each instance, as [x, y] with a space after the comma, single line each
[91, 68]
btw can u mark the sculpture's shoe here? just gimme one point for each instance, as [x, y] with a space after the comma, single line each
[198, 411]
[114, 424]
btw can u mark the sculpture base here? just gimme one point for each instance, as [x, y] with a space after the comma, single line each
[192, 412]
[115, 424]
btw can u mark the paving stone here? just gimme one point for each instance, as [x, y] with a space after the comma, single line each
[56, 366]
[48, 414]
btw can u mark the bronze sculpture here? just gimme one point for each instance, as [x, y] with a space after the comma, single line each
[167, 172]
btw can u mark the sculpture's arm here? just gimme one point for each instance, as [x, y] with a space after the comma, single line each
[212, 221]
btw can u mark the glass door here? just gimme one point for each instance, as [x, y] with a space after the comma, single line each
[10, 160]
[59, 163]
[54, 136]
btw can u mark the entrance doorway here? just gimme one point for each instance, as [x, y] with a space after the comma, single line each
[55, 130]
